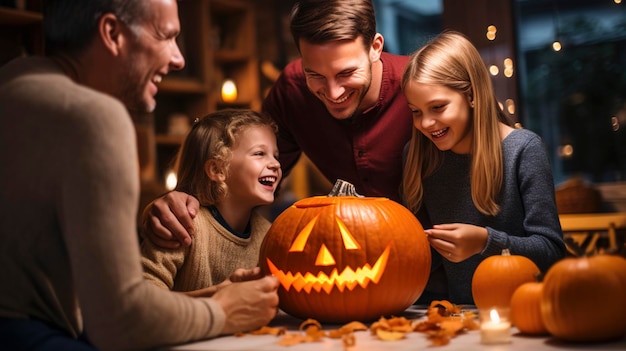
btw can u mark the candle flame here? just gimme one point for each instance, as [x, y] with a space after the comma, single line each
[494, 316]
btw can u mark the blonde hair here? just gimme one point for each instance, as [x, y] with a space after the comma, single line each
[212, 138]
[452, 61]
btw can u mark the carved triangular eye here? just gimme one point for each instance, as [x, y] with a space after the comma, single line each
[324, 257]
[303, 236]
[348, 240]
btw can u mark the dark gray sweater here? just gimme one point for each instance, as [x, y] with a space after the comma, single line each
[528, 222]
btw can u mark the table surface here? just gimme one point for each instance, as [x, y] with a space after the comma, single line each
[468, 341]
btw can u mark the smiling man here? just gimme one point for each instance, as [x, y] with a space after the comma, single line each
[71, 269]
[340, 104]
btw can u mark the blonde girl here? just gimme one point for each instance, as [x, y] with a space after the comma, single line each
[477, 183]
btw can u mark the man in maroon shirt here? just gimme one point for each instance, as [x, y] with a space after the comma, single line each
[341, 104]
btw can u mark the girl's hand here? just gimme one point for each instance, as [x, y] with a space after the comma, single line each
[240, 275]
[244, 274]
[457, 241]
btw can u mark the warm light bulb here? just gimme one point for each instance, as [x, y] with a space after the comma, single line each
[170, 180]
[229, 91]
[510, 106]
[556, 46]
[491, 32]
[494, 70]
[566, 151]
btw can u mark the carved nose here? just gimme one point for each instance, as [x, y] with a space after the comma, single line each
[324, 257]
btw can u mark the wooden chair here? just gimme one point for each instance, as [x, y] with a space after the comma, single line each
[584, 232]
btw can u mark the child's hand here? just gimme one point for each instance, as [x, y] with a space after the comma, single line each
[457, 241]
[243, 274]
[240, 275]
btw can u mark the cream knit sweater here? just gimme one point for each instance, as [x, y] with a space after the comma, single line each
[214, 254]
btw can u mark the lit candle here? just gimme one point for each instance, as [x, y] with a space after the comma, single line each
[229, 91]
[494, 328]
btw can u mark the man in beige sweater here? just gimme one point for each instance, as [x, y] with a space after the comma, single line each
[68, 168]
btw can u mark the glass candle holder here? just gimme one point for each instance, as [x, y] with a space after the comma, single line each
[495, 326]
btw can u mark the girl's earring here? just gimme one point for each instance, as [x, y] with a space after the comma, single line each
[472, 104]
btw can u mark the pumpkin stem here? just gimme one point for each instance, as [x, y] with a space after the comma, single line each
[506, 252]
[343, 188]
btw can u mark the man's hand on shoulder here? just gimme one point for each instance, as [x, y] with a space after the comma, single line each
[168, 221]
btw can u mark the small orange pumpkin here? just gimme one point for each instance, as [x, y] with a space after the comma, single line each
[526, 309]
[343, 257]
[496, 278]
[584, 298]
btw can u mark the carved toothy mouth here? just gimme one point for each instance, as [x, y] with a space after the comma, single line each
[348, 278]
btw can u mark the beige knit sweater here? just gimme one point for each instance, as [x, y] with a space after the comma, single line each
[69, 191]
[214, 254]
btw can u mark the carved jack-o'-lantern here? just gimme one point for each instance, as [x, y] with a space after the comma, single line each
[342, 257]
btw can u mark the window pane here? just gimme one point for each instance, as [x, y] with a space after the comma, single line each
[406, 25]
[575, 98]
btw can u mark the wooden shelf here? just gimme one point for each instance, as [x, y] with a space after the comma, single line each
[218, 40]
[181, 85]
[172, 140]
[234, 104]
[234, 53]
[15, 17]
[230, 56]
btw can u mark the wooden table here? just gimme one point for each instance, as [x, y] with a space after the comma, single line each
[469, 341]
[586, 229]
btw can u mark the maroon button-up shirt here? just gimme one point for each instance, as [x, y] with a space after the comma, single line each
[365, 150]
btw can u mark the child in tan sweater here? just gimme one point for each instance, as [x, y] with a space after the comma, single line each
[229, 161]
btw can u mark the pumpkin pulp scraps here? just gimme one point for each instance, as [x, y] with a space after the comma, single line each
[443, 321]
